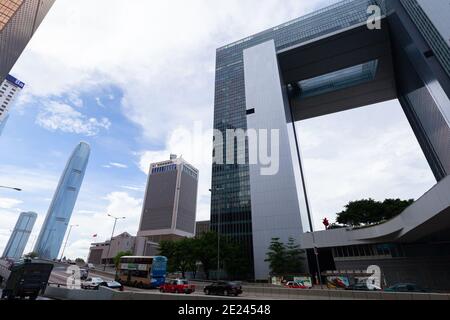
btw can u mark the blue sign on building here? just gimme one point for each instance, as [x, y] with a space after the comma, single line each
[15, 81]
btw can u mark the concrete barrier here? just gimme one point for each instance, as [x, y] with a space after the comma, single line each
[256, 292]
[108, 294]
[314, 294]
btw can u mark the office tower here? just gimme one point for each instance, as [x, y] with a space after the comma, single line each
[169, 210]
[19, 20]
[19, 238]
[325, 62]
[58, 217]
[9, 90]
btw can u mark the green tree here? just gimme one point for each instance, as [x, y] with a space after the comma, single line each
[205, 251]
[295, 258]
[80, 261]
[369, 211]
[276, 256]
[236, 260]
[361, 212]
[167, 249]
[120, 255]
[180, 254]
[393, 207]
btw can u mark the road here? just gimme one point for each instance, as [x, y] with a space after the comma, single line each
[59, 276]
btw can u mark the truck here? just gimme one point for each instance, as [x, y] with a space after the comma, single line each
[24, 278]
[177, 286]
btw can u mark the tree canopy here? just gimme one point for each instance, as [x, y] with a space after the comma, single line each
[369, 211]
[183, 255]
[120, 255]
[285, 259]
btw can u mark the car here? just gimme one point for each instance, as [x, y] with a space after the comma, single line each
[294, 285]
[224, 288]
[362, 286]
[91, 283]
[90, 266]
[177, 286]
[406, 287]
[111, 285]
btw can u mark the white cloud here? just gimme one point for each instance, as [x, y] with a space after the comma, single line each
[162, 59]
[9, 203]
[118, 165]
[360, 154]
[74, 99]
[59, 116]
[99, 102]
[91, 222]
[133, 188]
[31, 180]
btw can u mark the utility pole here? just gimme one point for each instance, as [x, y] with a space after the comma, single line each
[112, 236]
[67, 239]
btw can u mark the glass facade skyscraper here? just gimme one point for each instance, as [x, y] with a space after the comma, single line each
[19, 20]
[58, 217]
[20, 236]
[238, 105]
[233, 204]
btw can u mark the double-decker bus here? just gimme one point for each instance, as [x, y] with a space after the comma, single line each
[142, 272]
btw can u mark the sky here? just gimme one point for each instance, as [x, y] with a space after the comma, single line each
[130, 79]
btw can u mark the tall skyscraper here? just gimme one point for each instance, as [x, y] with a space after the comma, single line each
[20, 236]
[19, 20]
[169, 210]
[325, 62]
[58, 217]
[9, 90]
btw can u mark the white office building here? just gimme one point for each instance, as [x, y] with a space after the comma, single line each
[9, 90]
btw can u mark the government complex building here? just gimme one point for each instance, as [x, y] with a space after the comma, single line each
[336, 59]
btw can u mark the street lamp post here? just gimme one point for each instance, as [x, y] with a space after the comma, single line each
[67, 239]
[316, 254]
[112, 236]
[11, 188]
[218, 230]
